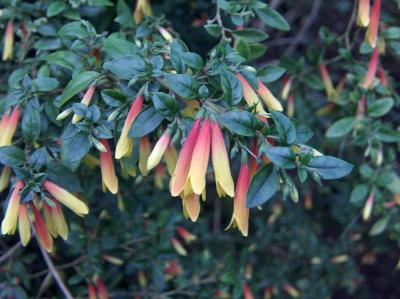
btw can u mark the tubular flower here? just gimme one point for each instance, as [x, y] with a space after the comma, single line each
[383, 76]
[91, 291]
[9, 125]
[373, 27]
[372, 68]
[247, 294]
[172, 269]
[181, 171]
[178, 247]
[250, 95]
[8, 42]
[159, 150]
[66, 198]
[200, 157]
[158, 178]
[41, 230]
[143, 8]
[24, 226]
[240, 217]
[55, 217]
[368, 207]
[269, 99]
[170, 157]
[5, 178]
[9, 223]
[286, 87]
[223, 176]
[363, 13]
[124, 145]
[144, 153]
[290, 106]
[191, 206]
[253, 164]
[326, 78]
[165, 34]
[101, 289]
[185, 234]
[108, 175]
[86, 101]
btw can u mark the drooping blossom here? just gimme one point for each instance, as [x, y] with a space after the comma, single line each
[291, 290]
[240, 217]
[9, 42]
[24, 224]
[124, 145]
[55, 219]
[383, 76]
[223, 177]
[191, 206]
[178, 247]
[171, 158]
[9, 223]
[165, 34]
[286, 86]
[326, 78]
[91, 291]
[101, 289]
[368, 207]
[269, 99]
[5, 178]
[363, 13]
[185, 234]
[250, 95]
[247, 294]
[109, 178]
[143, 8]
[41, 230]
[159, 176]
[144, 153]
[8, 125]
[159, 150]
[87, 98]
[373, 27]
[372, 69]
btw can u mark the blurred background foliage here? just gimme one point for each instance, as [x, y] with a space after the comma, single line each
[317, 248]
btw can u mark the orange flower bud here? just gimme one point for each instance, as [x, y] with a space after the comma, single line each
[178, 247]
[247, 294]
[9, 223]
[326, 78]
[41, 230]
[86, 101]
[144, 153]
[185, 234]
[108, 175]
[9, 42]
[363, 13]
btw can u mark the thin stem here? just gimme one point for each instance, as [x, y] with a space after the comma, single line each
[10, 252]
[55, 274]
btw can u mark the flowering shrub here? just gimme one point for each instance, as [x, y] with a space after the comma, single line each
[97, 85]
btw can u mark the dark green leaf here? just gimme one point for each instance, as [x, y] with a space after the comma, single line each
[231, 86]
[77, 83]
[263, 186]
[380, 107]
[183, 85]
[250, 35]
[30, 123]
[11, 156]
[281, 156]
[165, 104]
[147, 121]
[272, 18]
[330, 168]
[242, 123]
[341, 127]
[285, 127]
[128, 67]
[270, 73]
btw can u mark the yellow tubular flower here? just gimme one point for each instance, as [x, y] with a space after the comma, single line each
[24, 226]
[143, 8]
[9, 223]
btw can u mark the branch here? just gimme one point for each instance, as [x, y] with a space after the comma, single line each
[10, 252]
[55, 274]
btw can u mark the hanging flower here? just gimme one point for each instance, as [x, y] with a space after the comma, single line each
[372, 68]
[368, 207]
[108, 175]
[9, 224]
[181, 171]
[240, 217]
[24, 225]
[172, 269]
[124, 145]
[165, 34]
[286, 87]
[178, 247]
[159, 176]
[200, 157]
[383, 76]
[326, 78]
[159, 150]
[55, 220]
[8, 126]
[223, 176]
[191, 206]
[143, 8]
[247, 294]
[86, 101]
[363, 13]
[170, 157]
[373, 27]
[66, 198]
[91, 291]
[5, 178]
[250, 95]
[41, 229]
[269, 99]
[8, 42]
[101, 289]
[185, 234]
[144, 153]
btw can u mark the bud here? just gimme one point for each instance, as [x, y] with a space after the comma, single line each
[5, 178]
[290, 106]
[101, 289]
[86, 101]
[340, 259]
[363, 13]
[178, 247]
[308, 202]
[326, 78]
[291, 290]
[9, 42]
[64, 114]
[143, 8]
[165, 34]
[373, 27]
[159, 150]
[91, 292]
[113, 260]
[372, 68]
[144, 153]
[286, 88]
[247, 294]
[185, 234]
[368, 207]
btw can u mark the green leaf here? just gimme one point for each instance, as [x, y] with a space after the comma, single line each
[192, 60]
[270, 73]
[165, 104]
[118, 47]
[233, 91]
[75, 145]
[341, 127]
[240, 122]
[285, 127]
[178, 47]
[272, 18]
[303, 132]
[257, 50]
[243, 48]
[55, 8]
[379, 226]
[30, 123]
[329, 168]
[250, 35]
[281, 156]
[48, 44]
[147, 121]
[69, 60]
[380, 107]
[359, 193]
[63, 177]
[183, 85]
[11, 156]
[128, 67]
[387, 134]
[77, 83]
[45, 83]
[213, 29]
[263, 186]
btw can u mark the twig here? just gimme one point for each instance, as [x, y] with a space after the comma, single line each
[10, 252]
[55, 274]
[306, 26]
